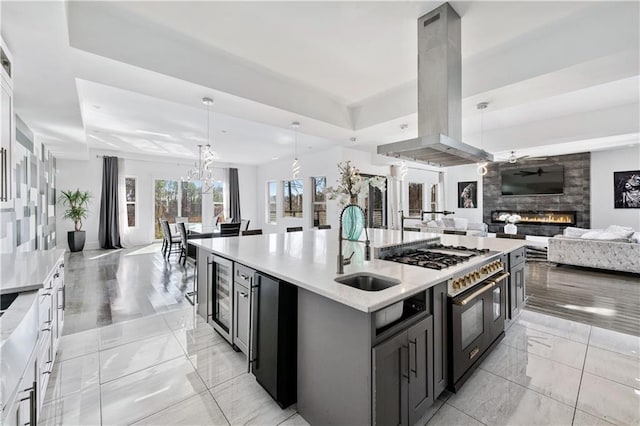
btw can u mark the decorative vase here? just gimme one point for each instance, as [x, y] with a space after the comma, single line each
[76, 240]
[352, 223]
[510, 228]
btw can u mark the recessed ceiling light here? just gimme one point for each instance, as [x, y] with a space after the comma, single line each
[274, 158]
[97, 106]
[146, 132]
[352, 139]
[223, 131]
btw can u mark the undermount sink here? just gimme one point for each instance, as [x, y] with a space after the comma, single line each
[367, 282]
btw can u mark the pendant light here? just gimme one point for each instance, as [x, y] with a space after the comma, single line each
[482, 167]
[203, 168]
[404, 169]
[295, 166]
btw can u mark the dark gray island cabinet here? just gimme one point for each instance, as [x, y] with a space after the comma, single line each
[350, 372]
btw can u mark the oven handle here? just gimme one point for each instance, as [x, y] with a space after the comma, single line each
[487, 287]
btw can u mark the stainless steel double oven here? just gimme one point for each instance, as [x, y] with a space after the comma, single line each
[476, 320]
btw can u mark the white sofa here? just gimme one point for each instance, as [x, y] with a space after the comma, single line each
[614, 248]
[450, 224]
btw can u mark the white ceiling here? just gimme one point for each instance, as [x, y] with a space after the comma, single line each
[558, 75]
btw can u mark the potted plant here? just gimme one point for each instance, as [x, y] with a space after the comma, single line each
[77, 202]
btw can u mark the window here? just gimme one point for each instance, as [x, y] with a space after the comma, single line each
[272, 194]
[375, 206]
[292, 206]
[415, 199]
[218, 201]
[166, 203]
[130, 200]
[191, 205]
[319, 185]
[176, 199]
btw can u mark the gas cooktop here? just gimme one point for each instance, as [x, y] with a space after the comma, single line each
[436, 256]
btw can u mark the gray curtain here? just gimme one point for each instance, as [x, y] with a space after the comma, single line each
[234, 195]
[109, 232]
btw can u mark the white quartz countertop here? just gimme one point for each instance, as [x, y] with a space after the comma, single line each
[25, 271]
[309, 260]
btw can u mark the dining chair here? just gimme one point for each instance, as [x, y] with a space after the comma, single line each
[294, 229]
[252, 232]
[164, 237]
[230, 229]
[450, 232]
[409, 228]
[171, 241]
[190, 295]
[184, 250]
[324, 226]
[244, 224]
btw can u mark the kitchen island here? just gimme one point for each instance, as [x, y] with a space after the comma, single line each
[347, 361]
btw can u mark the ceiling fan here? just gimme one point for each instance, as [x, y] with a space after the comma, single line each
[513, 158]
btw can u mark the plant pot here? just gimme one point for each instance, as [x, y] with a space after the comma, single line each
[510, 228]
[76, 240]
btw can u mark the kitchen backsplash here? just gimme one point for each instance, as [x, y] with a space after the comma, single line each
[30, 224]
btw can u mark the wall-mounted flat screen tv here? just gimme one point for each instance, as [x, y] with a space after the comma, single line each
[533, 180]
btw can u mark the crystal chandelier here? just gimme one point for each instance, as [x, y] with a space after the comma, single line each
[203, 168]
[295, 166]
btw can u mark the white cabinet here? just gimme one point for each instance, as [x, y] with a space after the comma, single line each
[51, 314]
[7, 126]
[243, 281]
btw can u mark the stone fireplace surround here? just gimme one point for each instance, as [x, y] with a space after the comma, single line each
[576, 197]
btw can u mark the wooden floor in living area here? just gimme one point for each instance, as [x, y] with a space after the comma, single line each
[600, 298]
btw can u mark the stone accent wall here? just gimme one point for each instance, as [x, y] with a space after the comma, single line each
[576, 193]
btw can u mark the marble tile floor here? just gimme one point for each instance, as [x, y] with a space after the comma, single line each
[547, 371]
[105, 287]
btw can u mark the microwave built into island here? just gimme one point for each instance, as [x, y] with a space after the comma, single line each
[374, 345]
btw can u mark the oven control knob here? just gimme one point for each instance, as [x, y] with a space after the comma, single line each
[476, 275]
[468, 279]
[456, 284]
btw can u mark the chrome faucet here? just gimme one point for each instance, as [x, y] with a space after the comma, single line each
[367, 244]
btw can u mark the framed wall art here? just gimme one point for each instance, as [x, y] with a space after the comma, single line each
[468, 195]
[626, 190]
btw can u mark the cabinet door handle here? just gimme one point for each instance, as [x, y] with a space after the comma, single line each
[406, 374]
[244, 277]
[414, 370]
[243, 294]
[56, 275]
[254, 306]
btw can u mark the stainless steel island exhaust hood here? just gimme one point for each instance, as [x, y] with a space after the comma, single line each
[439, 97]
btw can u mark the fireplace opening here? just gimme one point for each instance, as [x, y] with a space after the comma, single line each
[540, 217]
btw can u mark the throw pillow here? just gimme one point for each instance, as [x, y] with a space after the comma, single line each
[623, 231]
[575, 232]
[635, 238]
[449, 222]
[603, 236]
[460, 223]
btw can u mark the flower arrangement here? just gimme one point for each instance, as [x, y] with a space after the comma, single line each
[510, 218]
[351, 185]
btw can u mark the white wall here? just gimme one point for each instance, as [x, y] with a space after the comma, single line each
[603, 164]
[453, 175]
[87, 175]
